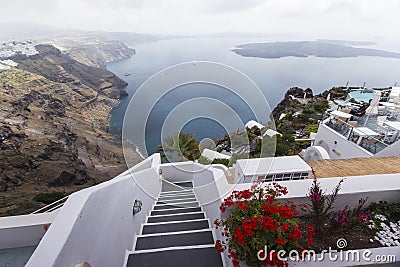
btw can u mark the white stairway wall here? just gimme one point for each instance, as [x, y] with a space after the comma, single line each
[96, 225]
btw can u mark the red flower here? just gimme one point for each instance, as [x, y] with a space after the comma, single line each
[222, 208]
[246, 194]
[229, 201]
[219, 247]
[242, 205]
[270, 208]
[268, 198]
[295, 234]
[284, 227]
[239, 236]
[285, 212]
[310, 234]
[280, 241]
[268, 223]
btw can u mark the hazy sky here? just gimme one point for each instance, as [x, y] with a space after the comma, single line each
[350, 19]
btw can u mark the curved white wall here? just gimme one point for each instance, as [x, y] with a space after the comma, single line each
[96, 225]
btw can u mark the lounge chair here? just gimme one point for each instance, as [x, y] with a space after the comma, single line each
[372, 141]
[349, 132]
[338, 122]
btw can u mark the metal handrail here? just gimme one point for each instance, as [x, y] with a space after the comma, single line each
[349, 134]
[50, 207]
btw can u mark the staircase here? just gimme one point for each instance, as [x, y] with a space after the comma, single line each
[177, 232]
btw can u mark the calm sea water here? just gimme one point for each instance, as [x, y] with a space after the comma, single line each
[273, 77]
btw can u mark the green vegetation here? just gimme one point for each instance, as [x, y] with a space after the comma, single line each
[305, 122]
[221, 161]
[204, 161]
[389, 210]
[24, 208]
[180, 147]
[312, 128]
[48, 198]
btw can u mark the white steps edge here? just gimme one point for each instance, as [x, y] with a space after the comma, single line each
[173, 203]
[172, 248]
[177, 197]
[179, 200]
[176, 192]
[180, 208]
[176, 233]
[174, 222]
[175, 214]
[187, 181]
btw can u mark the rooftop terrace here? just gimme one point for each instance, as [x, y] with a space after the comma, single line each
[375, 128]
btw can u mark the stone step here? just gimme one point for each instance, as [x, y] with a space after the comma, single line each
[152, 228]
[174, 239]
[176, 217]
[174, 211]
[180, 257]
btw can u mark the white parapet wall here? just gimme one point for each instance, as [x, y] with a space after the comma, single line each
[96, 225]
[24, 230]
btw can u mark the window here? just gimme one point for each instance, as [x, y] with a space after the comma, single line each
[304, 175]
[269, 178]
[296, 176]
[278, 177]
[287, 176]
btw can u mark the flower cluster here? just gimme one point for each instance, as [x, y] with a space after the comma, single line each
[326, 219]
[257, 219]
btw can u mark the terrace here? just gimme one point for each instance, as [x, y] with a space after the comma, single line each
[374, 128]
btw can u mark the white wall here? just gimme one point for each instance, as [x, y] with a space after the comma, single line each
[96, 225]
[391, 151]
[24, 230]
[340, 144]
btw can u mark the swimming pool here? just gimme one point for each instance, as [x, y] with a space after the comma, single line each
[361, 95]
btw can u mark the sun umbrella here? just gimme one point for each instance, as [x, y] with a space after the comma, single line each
[373, 107]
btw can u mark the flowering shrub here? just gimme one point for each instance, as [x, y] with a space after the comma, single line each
[257, 220]
[347, 218]
[324, 216]
[321, 204]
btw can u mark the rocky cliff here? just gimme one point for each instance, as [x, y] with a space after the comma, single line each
[54, 128]
[98, 52]
[59, 67]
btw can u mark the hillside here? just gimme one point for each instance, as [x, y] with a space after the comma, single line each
[58, 67]
[54, 128]
[91, 49]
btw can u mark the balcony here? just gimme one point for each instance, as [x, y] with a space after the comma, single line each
[372, 133]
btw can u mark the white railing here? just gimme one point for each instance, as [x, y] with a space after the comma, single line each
[52, 206]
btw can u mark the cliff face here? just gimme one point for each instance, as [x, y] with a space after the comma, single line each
[99, 54]
[58, 67]
[289, 100]
[54, 129]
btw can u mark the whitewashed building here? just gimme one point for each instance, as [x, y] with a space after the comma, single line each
[272, 169]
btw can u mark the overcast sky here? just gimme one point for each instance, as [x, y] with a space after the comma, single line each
[341, 19]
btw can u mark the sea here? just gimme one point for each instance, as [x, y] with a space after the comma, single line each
[272, 76]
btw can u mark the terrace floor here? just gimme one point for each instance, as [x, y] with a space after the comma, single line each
[355, 167]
